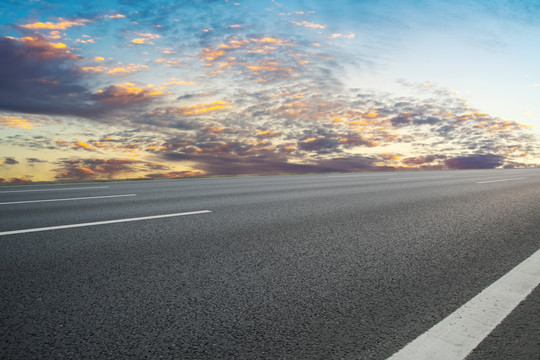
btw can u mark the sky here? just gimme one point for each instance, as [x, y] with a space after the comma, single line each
[116, 89]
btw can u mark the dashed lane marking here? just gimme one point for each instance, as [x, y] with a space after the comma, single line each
[49, 228]
[66, 199]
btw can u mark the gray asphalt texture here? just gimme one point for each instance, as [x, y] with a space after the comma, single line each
[325, 266]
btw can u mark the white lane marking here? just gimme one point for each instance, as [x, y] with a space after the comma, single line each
[457, 335]
[420, 178]
[357, 175]
[492, 181]
[66, 199]
[101, 222]
[63, 189]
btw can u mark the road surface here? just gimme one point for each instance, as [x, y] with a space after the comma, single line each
[323, 266]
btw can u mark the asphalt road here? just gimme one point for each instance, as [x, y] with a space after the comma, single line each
[324, 266]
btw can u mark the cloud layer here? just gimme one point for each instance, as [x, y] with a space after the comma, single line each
[209, 88]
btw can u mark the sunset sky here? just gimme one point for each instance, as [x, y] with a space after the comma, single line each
[158, 89]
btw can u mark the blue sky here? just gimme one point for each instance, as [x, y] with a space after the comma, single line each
[136, 89]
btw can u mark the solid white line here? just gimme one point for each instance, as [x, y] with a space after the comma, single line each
[492, 181]
[67, 199]
[101, 222]
[457, 335]
[420, 178]
[357, 175]
[63, 189]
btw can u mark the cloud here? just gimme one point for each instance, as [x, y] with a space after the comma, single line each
[267, 133]
[142, 41]
[95, 69]
[173, 81]
[38, 47]
[348, 36]
[308, 127]
[92, 168]
[82, 145]
[422, 160]
[16, 122]
[175, 174]
[258, 58]
[476, 161]
[61, 24]
[126, 94]
[309, 25]
[111, 168]
[19, 180]
[39, 78]
[116, 16]
[10, 161]
[274, 163]
[149, 35]
[122, 70]
[203, 108]
[261, 99]
[35, 160]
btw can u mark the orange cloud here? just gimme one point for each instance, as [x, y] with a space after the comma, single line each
[267, 133]
[43, 49]
[127, 93]
[82, 145]
[268, 66]
[15, 122]
[127, 69]
[262, 45]
[204, 108]
[62, 24]
[16, 180]
[93, 69]
[270, 40]
[370, 115]
[209, 54]
[142, 41]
